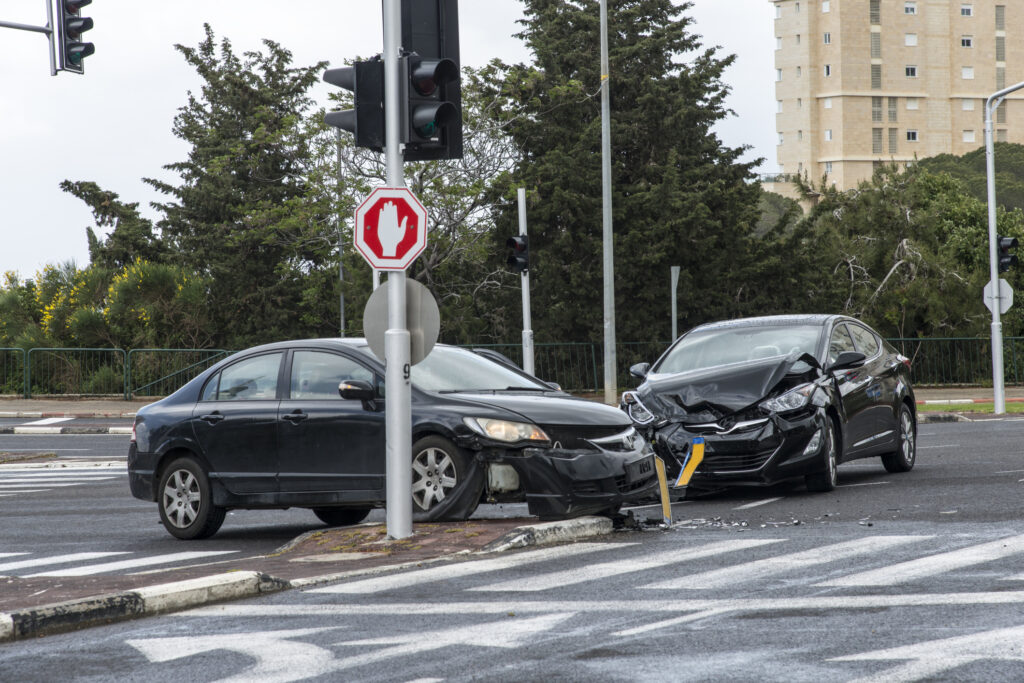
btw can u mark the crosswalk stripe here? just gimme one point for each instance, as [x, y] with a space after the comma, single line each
[932, 565]
[49, 480]
[58, 559]
[3, 555]
[454, 571]
[757, 503]
[760, 569]
[132, 564]
[36, 483]
[48, 421]
[568, 577]
[12, 493]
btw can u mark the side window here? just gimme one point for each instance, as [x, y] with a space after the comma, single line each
[866, 342]
[317, 374]
[210, 390]
[251, 379]
[839, 342]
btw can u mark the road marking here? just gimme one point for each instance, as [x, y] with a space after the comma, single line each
[49, 486]
[48, 421]
[468, 568]
[593, 572]
[1009, 472]
[757, 503]
[761, 569]
[866, 483]
[131, 564]
[52, 480]
[3, 555]
[646, 628]
[945, 445]
[931, 565]
[15, 492]
[57, 559]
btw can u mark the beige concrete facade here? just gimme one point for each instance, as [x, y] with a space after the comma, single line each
[865, 82]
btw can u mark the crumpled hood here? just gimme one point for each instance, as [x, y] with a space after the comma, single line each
[710, 394]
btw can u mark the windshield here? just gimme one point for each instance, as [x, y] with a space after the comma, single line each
[452, 369]
[714, 347]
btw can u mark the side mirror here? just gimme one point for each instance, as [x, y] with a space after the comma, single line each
[640, 370]
[848, 360]
[554, 385]
[358, 390]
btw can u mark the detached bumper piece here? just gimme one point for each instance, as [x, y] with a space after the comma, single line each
[563, 483]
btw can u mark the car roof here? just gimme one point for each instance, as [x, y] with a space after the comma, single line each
[819, 319]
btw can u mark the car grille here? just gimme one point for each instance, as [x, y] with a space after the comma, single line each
[575, 436]
[726, 462]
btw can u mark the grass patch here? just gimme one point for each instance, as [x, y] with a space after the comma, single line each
[988, 407]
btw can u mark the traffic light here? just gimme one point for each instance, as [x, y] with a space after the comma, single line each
[366, 121]
[432, 88]
[70, 27]
[519, 258]
[1006, 259]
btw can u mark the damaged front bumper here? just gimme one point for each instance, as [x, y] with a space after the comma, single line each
[755, 453]
[561, 483]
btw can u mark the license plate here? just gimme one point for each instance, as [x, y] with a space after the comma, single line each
[641, 469]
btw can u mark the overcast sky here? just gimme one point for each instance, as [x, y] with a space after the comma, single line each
[124, 105]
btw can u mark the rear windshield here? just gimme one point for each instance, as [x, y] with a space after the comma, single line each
[711, 348]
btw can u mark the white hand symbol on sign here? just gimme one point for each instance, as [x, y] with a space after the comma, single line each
[389, 232]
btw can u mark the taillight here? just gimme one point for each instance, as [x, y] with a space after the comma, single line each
[903, 359]
[133, 433]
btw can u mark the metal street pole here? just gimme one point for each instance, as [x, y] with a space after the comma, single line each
[675, 309]
[398, 393]
[341, 245]
[527, 322]
[46, 30]
[606, 219]
[991, 103]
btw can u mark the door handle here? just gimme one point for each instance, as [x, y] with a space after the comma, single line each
[295, 417]
[212, 418]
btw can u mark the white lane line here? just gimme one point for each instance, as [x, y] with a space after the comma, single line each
[131, 564]
[57, 559]
[50, 486]
[3, 555]
[866, 483]
[932, 565]
[1009, 472]
[568, 577]
[14, 492]
[757, 503]
[469, 568]
[761, 569]
[51, 480]
[47, 421]
[646, 628]
[944, 445]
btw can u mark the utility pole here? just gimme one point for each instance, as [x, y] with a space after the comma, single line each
[527, 322]
[606, 220]
[675, 308]
[341, 245]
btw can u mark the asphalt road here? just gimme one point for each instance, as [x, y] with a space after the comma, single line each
[915, 576]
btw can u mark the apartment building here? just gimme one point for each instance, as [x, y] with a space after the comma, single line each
[865, 82]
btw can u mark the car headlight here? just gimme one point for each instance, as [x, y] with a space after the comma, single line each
[504, 430]
[635, 408]
[794, 399]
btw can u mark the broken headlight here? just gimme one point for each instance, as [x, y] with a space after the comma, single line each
[504, 430]
[794, 399]
[635, 408]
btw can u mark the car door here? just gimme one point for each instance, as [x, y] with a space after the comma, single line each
[235, 424]
[326, 443]
[852, 385]
[882, 385]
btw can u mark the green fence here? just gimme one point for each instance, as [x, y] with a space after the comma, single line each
[93, 372]
[12, 371]
[159, 372]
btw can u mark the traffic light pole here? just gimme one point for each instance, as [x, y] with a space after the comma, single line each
[398, 391]
[527, 321]
[999, 396]
[608, 243]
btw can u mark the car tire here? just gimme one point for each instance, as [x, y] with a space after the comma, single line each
[185, 501]
[341, 516]
[823, 482]
[902, 460]
[446, 482]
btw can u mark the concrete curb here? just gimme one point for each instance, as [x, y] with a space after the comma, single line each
[180, 595]
[955, 401]
[65, 430]
[925, 418]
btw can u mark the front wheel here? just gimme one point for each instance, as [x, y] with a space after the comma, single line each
[186, 505]
[446, 482]
[906, 445]
[823, 482]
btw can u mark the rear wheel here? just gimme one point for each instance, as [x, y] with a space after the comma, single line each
[822, 482]
[446, 482]
[341, 516]
[906, 445]
[186, 504]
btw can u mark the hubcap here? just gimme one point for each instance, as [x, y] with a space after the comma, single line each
[181, 498]
[433, 477]
[907, 438]
[830, 456]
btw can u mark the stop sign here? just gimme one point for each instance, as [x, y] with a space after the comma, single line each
[391, 228]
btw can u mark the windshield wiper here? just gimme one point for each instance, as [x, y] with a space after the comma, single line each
[527, 389]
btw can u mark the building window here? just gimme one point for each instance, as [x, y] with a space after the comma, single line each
[799, 72]
[799, 103]
[1001, 113]
[876, 46]
[828, 70]
[799, 135]
[778, 43]
[825, 6]
[798, 8]
[780, 138]
[876, 109]
[828, 102]
[828, 38]
[1000, 17]
[1001, 135]
[911, 136]
[893, 103]
[967, 73]
[876, 140]
[910, 8]
[965, 10]
[913, 104]
[1000, 77]
[967, 105]
[876, 76]
[828, 135]
[798, 39]
[894, 140]
[911, 71]
[828, 167]
[778, 106]
[778, 75]
[968, 136]
[1000, 48]
[966, 41]
[875, 10]
[910, 40]
[778, 11]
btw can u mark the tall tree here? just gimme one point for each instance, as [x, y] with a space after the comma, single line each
[131, 234]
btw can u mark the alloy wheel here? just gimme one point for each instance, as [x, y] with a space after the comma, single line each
[907, 445]
[182, 498]
[433, 477]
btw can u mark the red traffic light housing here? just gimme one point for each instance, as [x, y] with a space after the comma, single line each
[366, 121]
[70, 27]
[1006, 259]
[519, 258]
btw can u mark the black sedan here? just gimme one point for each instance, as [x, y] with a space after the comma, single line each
[776, 398]
[301, 424]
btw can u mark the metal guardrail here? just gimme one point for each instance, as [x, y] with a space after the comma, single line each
[576, 366]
